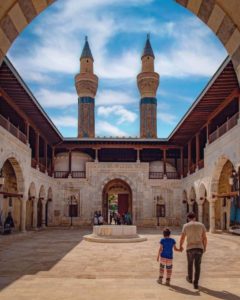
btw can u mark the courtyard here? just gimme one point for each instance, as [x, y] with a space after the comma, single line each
[59, 264]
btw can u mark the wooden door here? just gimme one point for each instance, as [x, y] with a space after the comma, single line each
[123, 203]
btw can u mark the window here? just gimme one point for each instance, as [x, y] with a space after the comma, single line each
[73, 210]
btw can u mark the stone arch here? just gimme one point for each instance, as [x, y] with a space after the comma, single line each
[185, 206]
[192, 201]
[222, 160]
[222, 17]
[223, 204]
[202, 192]
[42, 196]
[129, 183]
[13, 186]
[17, 170]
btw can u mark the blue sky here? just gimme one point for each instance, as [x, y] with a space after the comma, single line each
[47, 55]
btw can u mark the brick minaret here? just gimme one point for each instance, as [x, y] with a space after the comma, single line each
[86, 83]
[148, 82]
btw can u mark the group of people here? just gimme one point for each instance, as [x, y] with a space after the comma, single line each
[195, 233]
[98, 218]
[8, 224]
[124, 219]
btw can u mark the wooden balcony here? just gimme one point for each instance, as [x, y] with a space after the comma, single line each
[225, 127]
[5, 123]
[201, 164]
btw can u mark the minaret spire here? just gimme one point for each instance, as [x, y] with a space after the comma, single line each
[86, 83]
[148, 82]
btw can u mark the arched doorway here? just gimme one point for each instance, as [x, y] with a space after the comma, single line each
[223, 203]
[11, 191]
[185, 207]
[116, 197]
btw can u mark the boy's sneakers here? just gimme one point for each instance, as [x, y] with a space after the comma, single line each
[160, 280]
[168, 282]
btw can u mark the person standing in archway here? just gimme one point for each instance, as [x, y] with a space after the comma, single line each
[195, 232]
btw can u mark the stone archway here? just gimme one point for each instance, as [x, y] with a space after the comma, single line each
[30, 206]
[122, 200]
[221, 16]
[12, 188]
[223, 204]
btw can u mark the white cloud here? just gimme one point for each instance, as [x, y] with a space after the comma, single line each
[122, 113]
[65, 121]
[111, 97]
[50, 98]
[192, 53]
[167, 118]
[104, 128]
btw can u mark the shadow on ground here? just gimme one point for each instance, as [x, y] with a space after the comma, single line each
[35, 251]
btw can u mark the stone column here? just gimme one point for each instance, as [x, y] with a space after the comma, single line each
[200, 212]
[212, 216]
[35, 201]
[23, 213]
[138, 155]
[44, 202]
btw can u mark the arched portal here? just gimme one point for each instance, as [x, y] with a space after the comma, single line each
[116, 197]
[205, 206]
[12, 190]
[185, 207]
[223, 203]
[221, 16]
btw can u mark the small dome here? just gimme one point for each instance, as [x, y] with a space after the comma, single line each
[79, 160]
[157, 166]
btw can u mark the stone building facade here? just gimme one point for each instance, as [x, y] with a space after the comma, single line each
[49, 178]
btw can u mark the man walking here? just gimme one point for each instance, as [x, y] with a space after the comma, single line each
[195, 232]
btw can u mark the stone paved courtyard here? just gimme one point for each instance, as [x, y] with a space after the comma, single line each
[58, 264]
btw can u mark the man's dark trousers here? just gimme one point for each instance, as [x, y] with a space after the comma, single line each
[194, 256]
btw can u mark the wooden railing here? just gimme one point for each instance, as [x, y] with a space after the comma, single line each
[78, 174]
[5, 123]
[229, 124]
[160, 175]
[172, 175]
[61, 174]
[156, 175]
[74, 174]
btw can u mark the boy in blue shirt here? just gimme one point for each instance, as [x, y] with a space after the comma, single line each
[165, 254]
